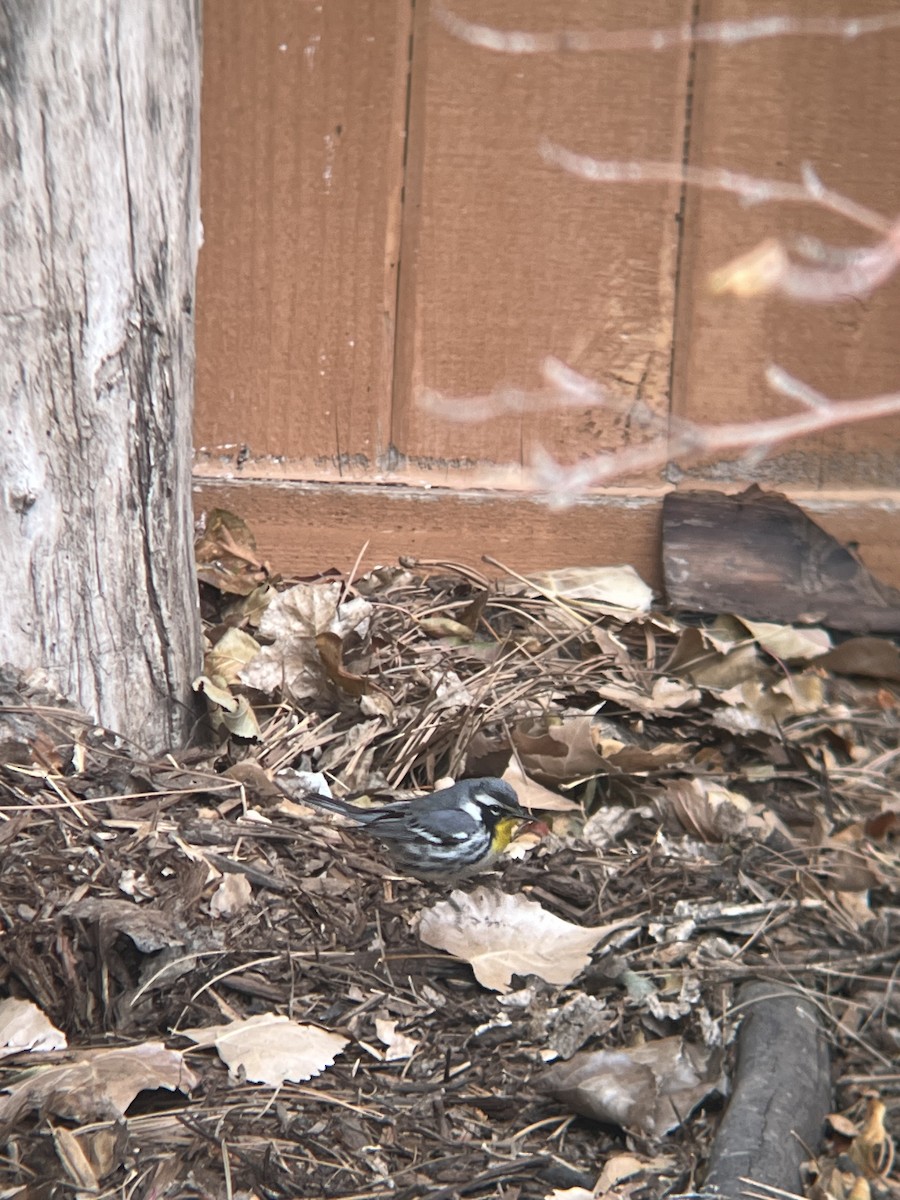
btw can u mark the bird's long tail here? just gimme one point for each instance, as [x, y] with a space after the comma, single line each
[324, 803]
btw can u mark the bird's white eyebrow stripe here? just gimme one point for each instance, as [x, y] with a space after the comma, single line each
[491, 801]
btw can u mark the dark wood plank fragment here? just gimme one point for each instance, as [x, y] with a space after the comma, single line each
[759, 555]
[781, 1095]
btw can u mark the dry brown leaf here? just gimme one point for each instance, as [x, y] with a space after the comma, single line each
[534, 795]
[225, 553]
[232, 896]
[445, 627]
[619, 587]
[558, 752]
[788, 643]
[666, 697]
[23, 1026]
[583, 746]
[650, 1089]
[254, 779]
[872, 657]
[106, 1148]
[248, 610]
[331, 652]
[292, 621]
[583, 1017]
[879, 826]
[293, 668]
[715, 657]
[635, 760]
[399, 1045]
[448, 690]
[503, 935]
[842, 1125]
[270, 1048]
[607, 824]
[754, 707]
[623, 1166]
[99, 1084]
[231, 653]
[873, 1149]
[707, 810]
[231, 712]
[150, 929]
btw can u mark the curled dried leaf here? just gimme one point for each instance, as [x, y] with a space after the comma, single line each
[503, 935]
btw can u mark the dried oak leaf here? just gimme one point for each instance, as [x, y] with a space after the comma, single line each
[270, 1048]
[718, 657]
[502, 935]
[293, 621]
[226, 557]
[232, 712]
[871, 657]
[534, 795]
[24, 1027]
[713, 813]
[373, 701]
[755, 707]
[230, 655]
[616, 587]
[580, 746]
[665, 699]
[649, 1089]
[98, 1084]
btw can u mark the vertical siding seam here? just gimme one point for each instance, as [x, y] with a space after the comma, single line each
[394, 457]
[686, 147]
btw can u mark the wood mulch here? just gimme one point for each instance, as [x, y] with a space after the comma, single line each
[110, 862]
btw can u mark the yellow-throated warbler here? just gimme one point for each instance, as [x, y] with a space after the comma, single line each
[450, 834]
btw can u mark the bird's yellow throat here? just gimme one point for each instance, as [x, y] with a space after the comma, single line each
[504, 831]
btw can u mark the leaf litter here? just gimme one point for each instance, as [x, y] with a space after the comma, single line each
[721, 804]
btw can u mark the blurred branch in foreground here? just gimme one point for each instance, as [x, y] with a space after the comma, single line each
[830, 274]
[728, 33]
[680, 440]
[803, 268]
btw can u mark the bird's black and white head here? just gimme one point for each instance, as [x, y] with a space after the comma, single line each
[494, 799]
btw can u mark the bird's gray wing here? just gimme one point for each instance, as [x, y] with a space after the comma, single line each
[441, 827]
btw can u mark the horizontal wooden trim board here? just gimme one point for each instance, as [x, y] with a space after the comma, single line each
[305, 528]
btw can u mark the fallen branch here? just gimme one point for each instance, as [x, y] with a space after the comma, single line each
[781, 1095]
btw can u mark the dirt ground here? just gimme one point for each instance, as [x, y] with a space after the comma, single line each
[118, 924]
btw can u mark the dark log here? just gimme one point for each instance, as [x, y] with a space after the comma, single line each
[781, 1095]
[759, 555]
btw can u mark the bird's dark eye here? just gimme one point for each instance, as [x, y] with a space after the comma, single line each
[493, 809]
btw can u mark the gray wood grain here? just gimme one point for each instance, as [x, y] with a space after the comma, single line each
[99, 221]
